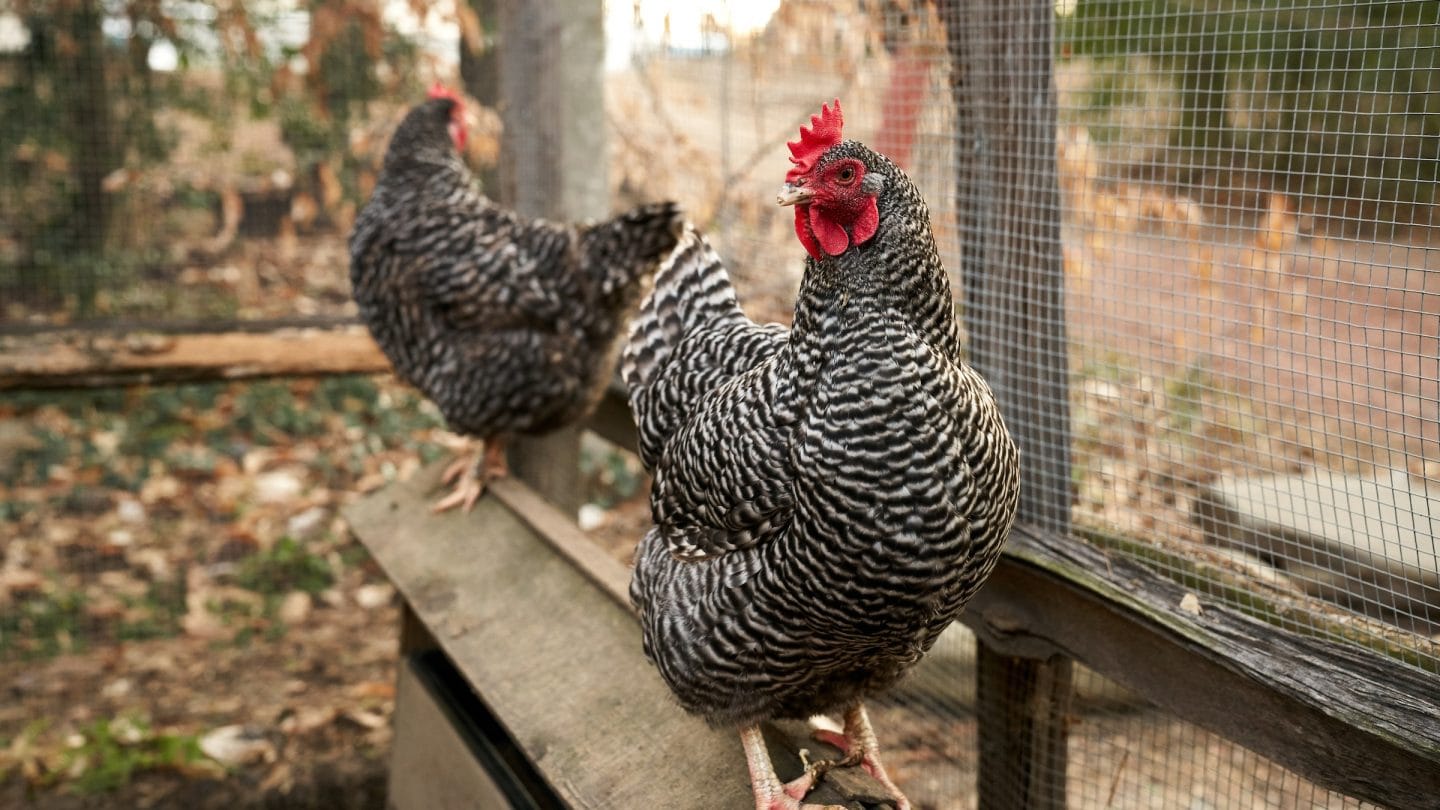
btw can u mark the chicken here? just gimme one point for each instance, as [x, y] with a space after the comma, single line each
[510, 325]
[826, 499]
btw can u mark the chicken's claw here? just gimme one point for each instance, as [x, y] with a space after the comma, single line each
[471, 474]
[858, 746]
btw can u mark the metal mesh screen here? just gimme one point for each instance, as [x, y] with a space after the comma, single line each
[1240, 210]
[1249, 304]
[193, 162]
[1249, 271]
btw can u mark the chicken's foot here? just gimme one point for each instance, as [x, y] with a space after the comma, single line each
[858, 746]
[470, 473]
[770, 793]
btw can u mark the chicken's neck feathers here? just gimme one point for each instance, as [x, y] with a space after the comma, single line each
[899, 272]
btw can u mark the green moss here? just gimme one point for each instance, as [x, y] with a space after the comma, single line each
[112, 752]
[286, 566]
[1240, 594]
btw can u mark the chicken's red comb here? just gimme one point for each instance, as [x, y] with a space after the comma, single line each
[438, 90]
[824, 132]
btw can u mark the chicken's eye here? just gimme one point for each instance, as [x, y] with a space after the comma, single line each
[846, 175]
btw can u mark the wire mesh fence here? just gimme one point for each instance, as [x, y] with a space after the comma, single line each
[193, 162]
[1249, 298]
[1245, 235]
[1249, 286]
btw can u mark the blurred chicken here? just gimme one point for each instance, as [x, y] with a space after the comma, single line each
[507, 323]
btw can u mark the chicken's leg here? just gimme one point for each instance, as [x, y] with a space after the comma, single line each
[471, 473]
[770, 794]
[860, 747]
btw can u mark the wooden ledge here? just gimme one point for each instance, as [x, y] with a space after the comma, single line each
[551, 648]
[1340, 715]
[77, 359]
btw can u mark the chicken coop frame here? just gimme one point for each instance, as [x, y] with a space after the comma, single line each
[1339, 715]
[543, 714]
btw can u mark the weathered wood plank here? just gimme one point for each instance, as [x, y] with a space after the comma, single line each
[1007, 200]
[554, 657]
[430, 763]
[557, 659]
[87, 359]
[1337, 714]
[565, 537]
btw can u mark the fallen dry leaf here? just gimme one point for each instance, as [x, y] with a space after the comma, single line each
[295, 607]
[236, 745]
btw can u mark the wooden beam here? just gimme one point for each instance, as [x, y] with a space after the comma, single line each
[91, 360]
[1007, 197]
[1337, 714]
[557, 660]
[561, 533]
[551, 58]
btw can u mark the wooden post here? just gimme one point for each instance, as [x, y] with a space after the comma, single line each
[1022, 706]
[551, 62]
[1008, 200]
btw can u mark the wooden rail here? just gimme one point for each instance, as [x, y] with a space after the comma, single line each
[1337, 714]
[88, 359]
[531, 621]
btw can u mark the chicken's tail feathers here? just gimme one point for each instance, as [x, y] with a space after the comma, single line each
[692, 290]
[628, 248]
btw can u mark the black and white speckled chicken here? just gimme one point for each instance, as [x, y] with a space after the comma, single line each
[827, 498]
[509, 324]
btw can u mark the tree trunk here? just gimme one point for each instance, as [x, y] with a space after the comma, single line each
[91, 126]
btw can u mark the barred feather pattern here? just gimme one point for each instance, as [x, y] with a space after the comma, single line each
[825, 500]
[509, 324]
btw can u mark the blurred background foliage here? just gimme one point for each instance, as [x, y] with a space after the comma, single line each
[1337, 104]
[98, 96]
[139, 137]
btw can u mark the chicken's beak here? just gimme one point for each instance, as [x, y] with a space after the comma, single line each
[791, 194]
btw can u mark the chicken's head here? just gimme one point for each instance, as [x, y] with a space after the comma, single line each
[458, 130]
[831, 187]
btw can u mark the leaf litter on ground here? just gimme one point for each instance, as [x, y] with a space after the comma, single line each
[172, 561]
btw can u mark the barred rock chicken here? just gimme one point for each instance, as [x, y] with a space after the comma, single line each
[826, 499]
[508, 324]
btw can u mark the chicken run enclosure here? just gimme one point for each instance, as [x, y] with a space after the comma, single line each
[1192, 241]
